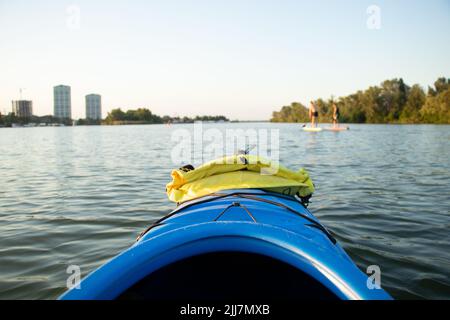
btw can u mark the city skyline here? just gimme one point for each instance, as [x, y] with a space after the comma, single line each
[240, 59]
[61, 105]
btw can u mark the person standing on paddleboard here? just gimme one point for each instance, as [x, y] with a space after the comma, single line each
[313, 115]
[335, 116]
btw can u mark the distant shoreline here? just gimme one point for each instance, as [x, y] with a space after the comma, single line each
[244, 122]
[393, 101]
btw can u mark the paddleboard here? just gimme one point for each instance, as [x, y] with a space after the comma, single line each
[312, 129]
[337, 129]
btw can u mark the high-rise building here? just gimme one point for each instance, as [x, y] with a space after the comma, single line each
[94, 106]
[22, 108]
[62, 105]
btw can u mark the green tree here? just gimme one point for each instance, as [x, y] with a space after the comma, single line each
[440, 85]
[437, 108]
[115, 115]
[415, 101]
[295, 113]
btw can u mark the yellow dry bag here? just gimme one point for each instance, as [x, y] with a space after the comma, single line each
[237, 172]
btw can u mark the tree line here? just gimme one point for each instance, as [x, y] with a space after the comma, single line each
[116, 116]
[11, 118]
[145, 116]
[391, 102]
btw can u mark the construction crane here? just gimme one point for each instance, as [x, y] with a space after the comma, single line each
[20, 91]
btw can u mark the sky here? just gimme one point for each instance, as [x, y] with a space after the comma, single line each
[240, 58]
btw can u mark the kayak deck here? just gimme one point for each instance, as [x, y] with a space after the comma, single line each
[248, 242]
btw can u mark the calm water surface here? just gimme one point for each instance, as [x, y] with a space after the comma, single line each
[80, 195]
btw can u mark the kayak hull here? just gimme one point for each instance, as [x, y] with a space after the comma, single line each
[236, 224]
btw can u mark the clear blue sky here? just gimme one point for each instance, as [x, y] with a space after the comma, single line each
[240, 58]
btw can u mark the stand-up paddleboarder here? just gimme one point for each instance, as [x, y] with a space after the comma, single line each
[313, 114]
[336, 115]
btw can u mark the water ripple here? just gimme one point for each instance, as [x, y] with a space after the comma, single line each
[81, 195]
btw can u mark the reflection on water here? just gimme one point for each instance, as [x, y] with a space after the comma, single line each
[80, 195]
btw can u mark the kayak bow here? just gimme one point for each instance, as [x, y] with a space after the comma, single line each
[236, 244]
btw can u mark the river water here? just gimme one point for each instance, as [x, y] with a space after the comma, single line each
[80, 195]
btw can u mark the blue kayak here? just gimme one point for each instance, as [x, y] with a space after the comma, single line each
[234, 244]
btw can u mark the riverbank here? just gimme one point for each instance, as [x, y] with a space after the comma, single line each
[393, 101]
